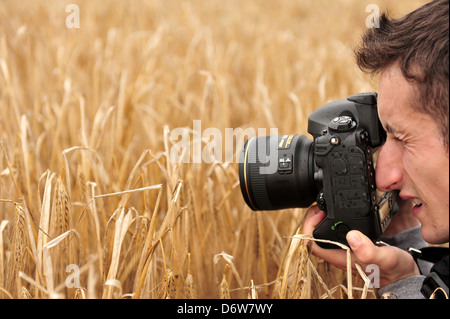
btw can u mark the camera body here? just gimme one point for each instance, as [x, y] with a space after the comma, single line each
[336, 170]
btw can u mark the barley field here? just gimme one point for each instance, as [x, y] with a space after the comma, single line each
[91, 206]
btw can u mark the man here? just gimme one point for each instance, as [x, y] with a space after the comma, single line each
[411, 56]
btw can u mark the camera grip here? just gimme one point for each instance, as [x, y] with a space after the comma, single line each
[336, 230]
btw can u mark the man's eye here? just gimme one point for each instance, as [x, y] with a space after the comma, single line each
[394, 138]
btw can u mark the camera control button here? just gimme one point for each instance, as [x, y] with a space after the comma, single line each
[339, 166]
[342, 123]
[285, 164]
[321, 203]
[342, 230]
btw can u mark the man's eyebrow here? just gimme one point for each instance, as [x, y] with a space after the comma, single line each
[393, 129]
[389, 128]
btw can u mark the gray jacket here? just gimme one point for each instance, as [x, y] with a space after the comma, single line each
[407, 288]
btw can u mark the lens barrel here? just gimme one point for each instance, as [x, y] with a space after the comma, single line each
[277, 172]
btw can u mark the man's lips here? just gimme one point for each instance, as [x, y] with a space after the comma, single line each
[417, 204]
[416, 210]
[416, 201]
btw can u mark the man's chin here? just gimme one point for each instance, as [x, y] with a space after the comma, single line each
[433, 237]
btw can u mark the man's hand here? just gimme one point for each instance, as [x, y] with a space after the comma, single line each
[394, 263]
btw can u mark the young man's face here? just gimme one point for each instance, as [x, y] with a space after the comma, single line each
[414, 159]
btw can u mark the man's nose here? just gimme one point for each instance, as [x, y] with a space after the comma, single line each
[388, 172]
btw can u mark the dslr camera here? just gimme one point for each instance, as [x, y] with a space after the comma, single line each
[336, 169]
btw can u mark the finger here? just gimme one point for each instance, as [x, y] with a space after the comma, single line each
[362, 247]
[366, 252]
[337, 257]
[313, 218]
[394, 263]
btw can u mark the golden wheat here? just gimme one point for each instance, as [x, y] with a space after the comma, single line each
[87, 186]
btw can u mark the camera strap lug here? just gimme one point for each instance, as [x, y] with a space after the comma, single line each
[381, 243]
[435, 285]
[415, 253]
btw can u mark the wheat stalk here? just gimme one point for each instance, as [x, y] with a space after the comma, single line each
[85, 131]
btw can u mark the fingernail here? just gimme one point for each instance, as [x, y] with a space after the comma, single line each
[353, 239]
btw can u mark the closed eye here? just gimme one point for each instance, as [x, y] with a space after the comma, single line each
[394, 138]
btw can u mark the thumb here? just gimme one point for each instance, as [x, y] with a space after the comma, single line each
[393, 262]
[363, 248]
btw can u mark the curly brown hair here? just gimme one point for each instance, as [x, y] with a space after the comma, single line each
[418, 42]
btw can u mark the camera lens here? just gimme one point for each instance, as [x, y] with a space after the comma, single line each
[277, 172]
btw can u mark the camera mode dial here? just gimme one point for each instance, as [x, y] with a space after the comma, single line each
[342, 123]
